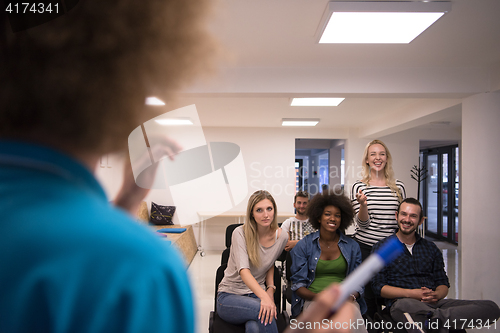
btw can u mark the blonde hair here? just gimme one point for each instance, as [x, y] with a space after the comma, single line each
[388, 171]
[250, 226]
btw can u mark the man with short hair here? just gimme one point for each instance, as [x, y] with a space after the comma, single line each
[298, 227]
[415, 284]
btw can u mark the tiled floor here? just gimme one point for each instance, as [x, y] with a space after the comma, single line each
[451, 257]
[202, 271]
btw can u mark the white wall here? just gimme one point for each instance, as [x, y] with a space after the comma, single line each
[480, 184]
[335, 165]
[269, 157]
[109, 172]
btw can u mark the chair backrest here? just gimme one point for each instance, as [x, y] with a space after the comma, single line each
[225, 256]
[277, 293]
[219, 275]
[288, 266]
[229, 233]
[282, 256]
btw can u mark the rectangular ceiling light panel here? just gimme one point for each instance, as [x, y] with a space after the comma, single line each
[299, 122]
[174, 121]
[154, 101]
[317, 101]
[379, 22]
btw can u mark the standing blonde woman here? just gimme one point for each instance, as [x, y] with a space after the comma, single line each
[375, 200]
[376, 197]
[246, 293]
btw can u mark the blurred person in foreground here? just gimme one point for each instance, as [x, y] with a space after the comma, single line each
[72, 90]
[318, 317]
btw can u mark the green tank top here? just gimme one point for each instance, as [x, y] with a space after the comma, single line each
[328, 271]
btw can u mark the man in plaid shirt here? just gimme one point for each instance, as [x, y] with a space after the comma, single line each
[416, 282]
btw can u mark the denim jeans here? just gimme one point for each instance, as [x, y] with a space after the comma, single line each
[243, 309]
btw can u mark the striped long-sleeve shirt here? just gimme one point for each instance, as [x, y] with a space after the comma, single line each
[382, 206]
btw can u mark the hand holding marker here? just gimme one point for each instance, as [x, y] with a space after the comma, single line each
[367, 270]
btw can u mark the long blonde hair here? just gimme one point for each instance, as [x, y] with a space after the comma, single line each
[388, 171]
[250, 226]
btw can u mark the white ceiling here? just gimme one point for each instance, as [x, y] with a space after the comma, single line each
[270, 54]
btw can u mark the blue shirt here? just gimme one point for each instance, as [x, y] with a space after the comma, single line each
[423, 268]
[71, 262]
[305, 255]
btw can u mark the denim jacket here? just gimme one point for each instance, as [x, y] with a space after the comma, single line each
[305, 256]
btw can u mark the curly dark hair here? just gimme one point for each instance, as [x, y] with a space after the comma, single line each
[318, 203]
[81, 79]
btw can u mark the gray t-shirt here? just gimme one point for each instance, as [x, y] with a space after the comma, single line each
[238, 259]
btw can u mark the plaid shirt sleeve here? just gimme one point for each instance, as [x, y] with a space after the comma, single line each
[440, 277]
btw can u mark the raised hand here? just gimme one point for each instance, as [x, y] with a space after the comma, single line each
[361, 197]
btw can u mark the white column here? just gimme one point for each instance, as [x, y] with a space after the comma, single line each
[480, 197]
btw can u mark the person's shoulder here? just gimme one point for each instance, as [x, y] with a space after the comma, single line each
[351, 242]
[358, 183]
[283, 236]
[310, 237]
[428, 243]
[303, 244]
[356, 186]
[347, 238]
[382, 242]
[112, 239]
[239, 231]
[400, 183]
[136, 240]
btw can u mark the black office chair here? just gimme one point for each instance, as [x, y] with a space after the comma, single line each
[217, 325]
[287, 285]
[229, 233]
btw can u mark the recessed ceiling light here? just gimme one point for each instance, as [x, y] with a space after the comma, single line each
[299, 122]
[154, 101]
[379, 22]
[317, 101]
[174, 121]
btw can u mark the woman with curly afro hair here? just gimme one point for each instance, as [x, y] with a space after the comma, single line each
[326, 256]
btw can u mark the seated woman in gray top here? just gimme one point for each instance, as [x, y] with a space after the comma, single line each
[243, 297]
